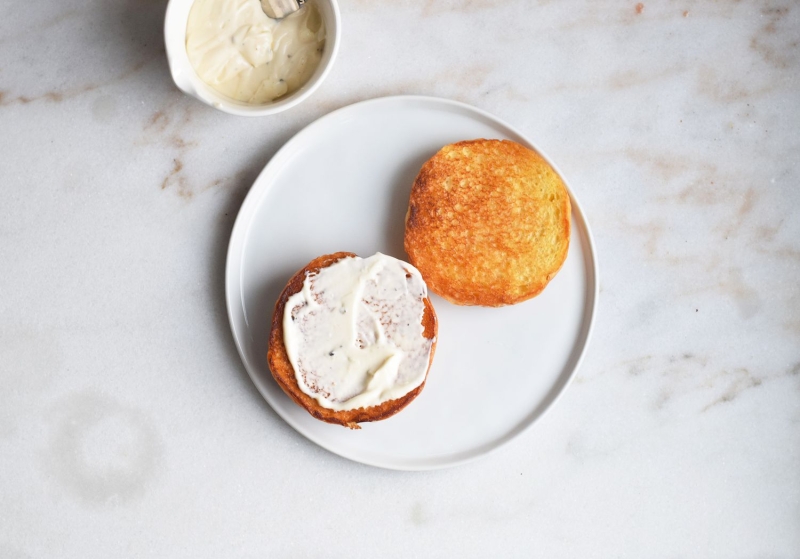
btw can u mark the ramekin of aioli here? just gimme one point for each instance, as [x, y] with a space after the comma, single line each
[230, 55]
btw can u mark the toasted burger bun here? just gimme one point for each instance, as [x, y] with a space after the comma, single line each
[488, 223]
[283, 371]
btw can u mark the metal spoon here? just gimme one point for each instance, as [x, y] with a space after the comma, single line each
[278, 9]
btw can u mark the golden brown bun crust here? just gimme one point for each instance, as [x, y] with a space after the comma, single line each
[283, 372]
[488, 223]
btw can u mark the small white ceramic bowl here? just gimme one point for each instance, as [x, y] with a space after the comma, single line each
[190, 83]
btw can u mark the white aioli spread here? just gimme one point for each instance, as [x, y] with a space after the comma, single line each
[236, 49]
[354, 332]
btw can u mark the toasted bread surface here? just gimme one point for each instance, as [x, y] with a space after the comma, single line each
[488, 223]
[284, 374]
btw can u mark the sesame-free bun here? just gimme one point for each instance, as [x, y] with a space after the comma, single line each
[284, 374]
[488, 223]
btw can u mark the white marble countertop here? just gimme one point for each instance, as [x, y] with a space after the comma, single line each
[128, 427]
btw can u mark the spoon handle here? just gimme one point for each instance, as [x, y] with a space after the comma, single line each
[278, 9]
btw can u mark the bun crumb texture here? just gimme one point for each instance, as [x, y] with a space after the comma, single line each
[488, 223]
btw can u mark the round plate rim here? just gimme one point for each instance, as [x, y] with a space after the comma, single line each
[238, 241]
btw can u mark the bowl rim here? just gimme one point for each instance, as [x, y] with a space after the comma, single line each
[187, 80]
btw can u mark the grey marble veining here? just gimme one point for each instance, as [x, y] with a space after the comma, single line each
[128, 426]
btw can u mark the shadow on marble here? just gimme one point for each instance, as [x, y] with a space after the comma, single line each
[236, 194]
[138, 27]
[100, 45]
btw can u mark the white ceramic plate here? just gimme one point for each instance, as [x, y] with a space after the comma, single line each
[342, 184]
